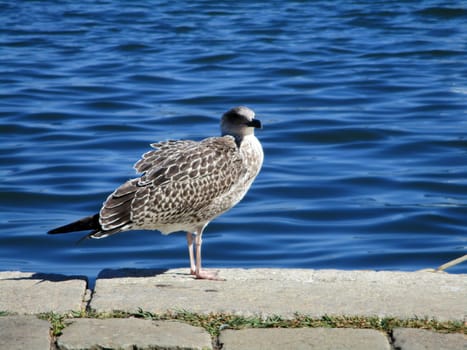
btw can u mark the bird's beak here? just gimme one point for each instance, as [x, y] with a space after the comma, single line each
[255, 123]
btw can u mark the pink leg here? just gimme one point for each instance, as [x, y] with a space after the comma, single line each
[189, 240]
[195, 263]
[200, 274]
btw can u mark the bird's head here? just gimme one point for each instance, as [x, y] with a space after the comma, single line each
[239, 122]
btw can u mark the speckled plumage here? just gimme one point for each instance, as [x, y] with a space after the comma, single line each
[183, 184]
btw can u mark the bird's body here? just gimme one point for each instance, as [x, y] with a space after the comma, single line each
[183, 185]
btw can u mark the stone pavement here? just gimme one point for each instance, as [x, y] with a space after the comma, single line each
[283, 292]
[33, 293]
[256, 292]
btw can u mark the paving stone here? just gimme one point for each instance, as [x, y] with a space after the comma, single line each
[421, 339]
[132, 333]
[24, 332]
[283, 292]
[303, 338]
[33, 293]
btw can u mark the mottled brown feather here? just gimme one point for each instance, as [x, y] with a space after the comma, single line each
[180, 181]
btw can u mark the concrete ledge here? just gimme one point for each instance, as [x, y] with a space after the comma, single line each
[255, 292]
[33, 293]
[284, 292]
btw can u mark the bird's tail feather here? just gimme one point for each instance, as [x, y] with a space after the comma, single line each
[87, 223]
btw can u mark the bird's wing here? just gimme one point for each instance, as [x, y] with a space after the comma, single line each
[179, 179]
[163, 152]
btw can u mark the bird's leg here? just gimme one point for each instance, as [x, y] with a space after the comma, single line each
[189, 241]
[201, 274]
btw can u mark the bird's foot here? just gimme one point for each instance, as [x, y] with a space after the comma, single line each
[207, 275]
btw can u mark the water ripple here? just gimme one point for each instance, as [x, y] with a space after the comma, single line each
[363, 106]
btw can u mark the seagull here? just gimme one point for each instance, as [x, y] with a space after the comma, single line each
[183, 185]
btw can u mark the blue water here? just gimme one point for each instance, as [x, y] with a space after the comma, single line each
[364, 106]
